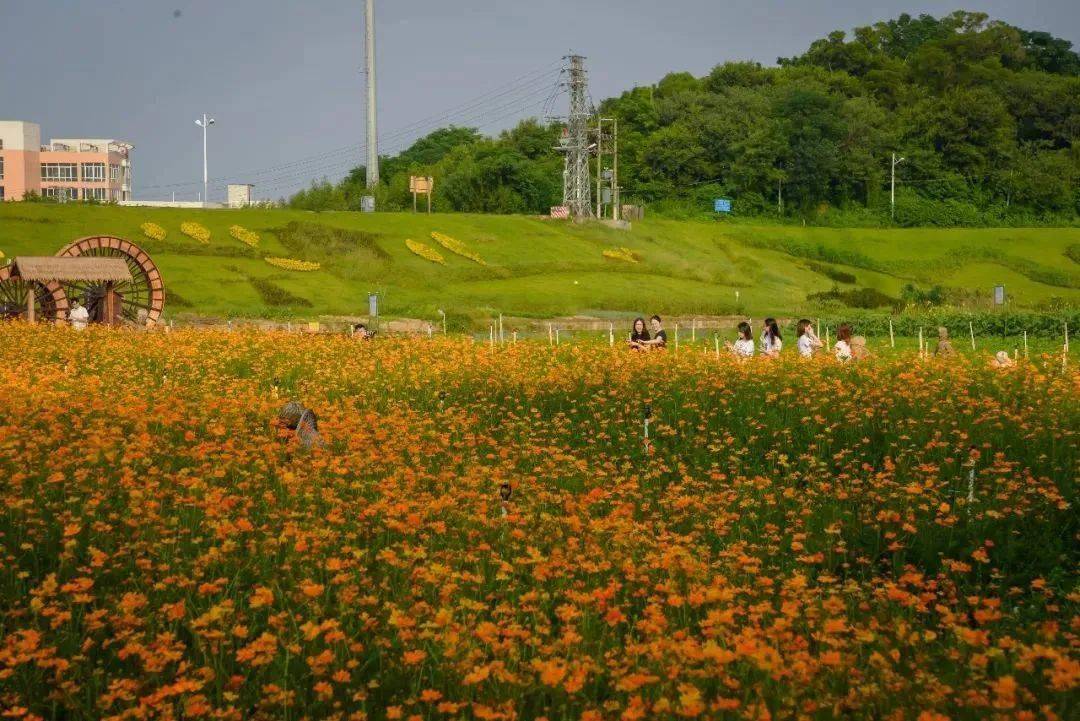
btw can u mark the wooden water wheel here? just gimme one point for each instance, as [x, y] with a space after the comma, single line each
[138, 302]
[50, 299]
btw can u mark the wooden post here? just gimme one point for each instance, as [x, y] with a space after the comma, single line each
[892, 340]
[611, 335]
[676, 337]
[502, 338]
[429, 199]
[110, 304]
[1025, 345]
[971, 329]
[491, 336]
[30, 303]
[826, 338]
[515, 337]
[716, 342]
[920, 341]
[414, 200]
[550, 341]
[693, 331]
[1065, 348]
[556, 336]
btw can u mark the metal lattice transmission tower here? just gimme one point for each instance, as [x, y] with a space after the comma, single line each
[577, 178]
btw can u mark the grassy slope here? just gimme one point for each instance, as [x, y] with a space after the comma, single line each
[544, 268]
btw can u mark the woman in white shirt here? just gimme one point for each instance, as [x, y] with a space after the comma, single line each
[78, 316]
[744, 346]
[771, 342]
[806, 340]
[842, 349]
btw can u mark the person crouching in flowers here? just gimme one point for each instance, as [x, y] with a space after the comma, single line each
[1001, 359]
[744, 346]
[859, 351]
[805, 339]
[771, 342]
[842, 348]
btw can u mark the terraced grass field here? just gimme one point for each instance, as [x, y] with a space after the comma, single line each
[540, 268]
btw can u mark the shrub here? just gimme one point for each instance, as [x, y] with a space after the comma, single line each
[277, 297]
[832, 273]
[1073, 253]
[856, 298]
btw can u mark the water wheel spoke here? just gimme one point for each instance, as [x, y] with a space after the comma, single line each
[136, 297]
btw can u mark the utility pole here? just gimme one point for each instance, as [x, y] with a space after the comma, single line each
[892, 191]
[576, 180]
[372, 136]
[615, 170]
[599, 166]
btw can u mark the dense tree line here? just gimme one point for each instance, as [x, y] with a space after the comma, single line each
[986, 115]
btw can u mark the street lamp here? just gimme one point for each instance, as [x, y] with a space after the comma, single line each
[205, 122]
[892, 193]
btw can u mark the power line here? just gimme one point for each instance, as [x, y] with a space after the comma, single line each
[348, 163]
[530, 80]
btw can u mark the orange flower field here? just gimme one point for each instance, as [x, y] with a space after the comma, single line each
[895, 539]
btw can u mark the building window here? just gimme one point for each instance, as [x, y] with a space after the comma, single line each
[62, 195]
[1, 194]
[1, 167]
[93, 172]
[60, 172]
[114, 173]
[94, 194]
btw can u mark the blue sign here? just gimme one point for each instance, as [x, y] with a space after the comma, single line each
[722, 205]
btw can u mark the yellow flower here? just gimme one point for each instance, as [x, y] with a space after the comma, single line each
[457, 247]
[152, 231]
[425, 251]
[248, 237]
[196, 231]
[624, 254]
[290, 264]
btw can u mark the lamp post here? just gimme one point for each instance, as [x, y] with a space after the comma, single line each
[205, 122]
[892, 192]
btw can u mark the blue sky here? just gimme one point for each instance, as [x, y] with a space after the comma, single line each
[283, 78]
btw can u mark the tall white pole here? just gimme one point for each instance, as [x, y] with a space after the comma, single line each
[372, 136]
[205, 165]
[892, 191]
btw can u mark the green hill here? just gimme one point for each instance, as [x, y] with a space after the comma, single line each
[542, 268]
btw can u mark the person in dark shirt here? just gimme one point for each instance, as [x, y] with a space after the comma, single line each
[639, 334]
[659, 335]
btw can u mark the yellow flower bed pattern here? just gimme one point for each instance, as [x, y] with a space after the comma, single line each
[291, 264]
[248, 237]
[426, 252]
[196, 231]
[456, 246]
[153, 231]
[623, 254]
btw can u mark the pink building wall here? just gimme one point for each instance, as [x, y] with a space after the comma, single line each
[24, 154]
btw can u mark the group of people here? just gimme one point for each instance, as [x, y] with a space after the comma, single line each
[770, 342]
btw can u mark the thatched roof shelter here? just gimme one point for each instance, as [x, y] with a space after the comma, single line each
[79, 268]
